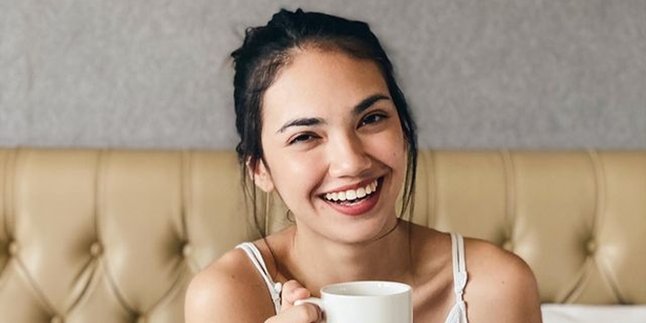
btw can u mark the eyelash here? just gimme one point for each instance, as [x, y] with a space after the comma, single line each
[381, 117]
[306, 137]
[300, 138]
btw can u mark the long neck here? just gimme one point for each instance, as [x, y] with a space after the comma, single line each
[316, 261]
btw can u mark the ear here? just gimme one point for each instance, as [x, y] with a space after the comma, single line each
[260, 175]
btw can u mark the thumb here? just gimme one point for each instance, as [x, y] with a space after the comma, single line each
[292, 291]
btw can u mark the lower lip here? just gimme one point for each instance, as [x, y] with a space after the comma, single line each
[359, 208]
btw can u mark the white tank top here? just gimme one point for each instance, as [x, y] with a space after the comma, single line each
[458, 313]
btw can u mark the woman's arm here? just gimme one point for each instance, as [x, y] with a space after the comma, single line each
[227, 291]
[231, 290]
[501, 288]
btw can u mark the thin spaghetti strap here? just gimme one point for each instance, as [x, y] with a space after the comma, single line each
[462, 265]
[256, 258]
[458, 313]
[459, 264]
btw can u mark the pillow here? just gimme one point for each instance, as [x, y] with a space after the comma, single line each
[570, 313]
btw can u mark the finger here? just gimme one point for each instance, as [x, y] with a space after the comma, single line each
[293, 291]
[304, 313]
[288, 289]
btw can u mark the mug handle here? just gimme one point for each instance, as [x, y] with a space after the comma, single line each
[312, 300]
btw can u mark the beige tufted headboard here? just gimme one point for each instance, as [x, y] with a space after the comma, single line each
[115, 236]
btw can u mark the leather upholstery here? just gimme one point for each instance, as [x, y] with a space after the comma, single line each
[115, 235]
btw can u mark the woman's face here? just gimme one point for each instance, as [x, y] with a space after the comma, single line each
[333, 145]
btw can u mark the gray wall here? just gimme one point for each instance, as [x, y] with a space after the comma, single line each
[478, 74]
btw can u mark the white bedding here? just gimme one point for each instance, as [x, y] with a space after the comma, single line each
[558, 313]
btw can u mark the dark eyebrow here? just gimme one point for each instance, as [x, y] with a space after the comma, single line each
[368, 102]
[358, 109]
[301, 122]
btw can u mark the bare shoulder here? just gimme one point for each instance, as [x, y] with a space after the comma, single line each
[501, 286]
[228, 290]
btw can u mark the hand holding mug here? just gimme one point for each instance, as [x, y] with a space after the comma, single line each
[292, 292]
[364, 302]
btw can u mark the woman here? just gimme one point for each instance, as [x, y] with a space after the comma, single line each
[323, 124]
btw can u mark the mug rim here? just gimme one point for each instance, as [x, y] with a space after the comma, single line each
[405, 288]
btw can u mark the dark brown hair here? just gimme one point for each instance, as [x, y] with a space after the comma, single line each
[267, 49]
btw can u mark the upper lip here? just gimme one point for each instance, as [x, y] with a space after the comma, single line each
[355, 186]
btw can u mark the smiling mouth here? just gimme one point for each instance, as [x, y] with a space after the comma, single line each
[354, 196]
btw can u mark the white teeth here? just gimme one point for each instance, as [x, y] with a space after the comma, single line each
[361, 192]
[352, 194]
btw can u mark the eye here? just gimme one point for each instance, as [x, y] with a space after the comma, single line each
[302, 138]
[372, 118]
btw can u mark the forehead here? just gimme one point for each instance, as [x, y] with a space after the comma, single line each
[317, 82]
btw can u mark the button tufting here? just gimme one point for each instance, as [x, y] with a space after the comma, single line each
[13, 248]
[141, 318]
[507, 245]
[591, 246]
[56, 319]
[96, 249]
[187, 249]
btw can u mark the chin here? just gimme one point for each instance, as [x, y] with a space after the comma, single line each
[361, 232]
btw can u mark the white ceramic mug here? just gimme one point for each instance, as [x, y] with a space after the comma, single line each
[365, 302]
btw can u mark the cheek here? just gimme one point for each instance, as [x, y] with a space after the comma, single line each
[391, 148]
[296, 174]
[398, 159]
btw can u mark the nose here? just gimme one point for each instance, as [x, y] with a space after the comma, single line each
[348, 157]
